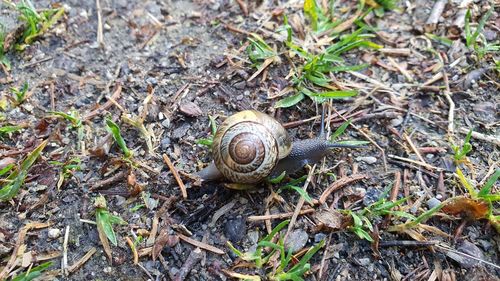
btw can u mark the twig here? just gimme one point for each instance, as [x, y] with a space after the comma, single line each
[35, 62]
[264, 65]
[393, 196]
[82, 261]
[193, 258]
[323, 260]
[406, 243]
[176, 175]
[115, 96]
[298, 208]
[451, 112]
[235, 29]
[340, 183]
[279, 216]
[445, 247]
[64, 262]
[115, 178]
[145, 271]
[200, 245]
[219, 213]
[396, 51]
[420, 163]
[479, 136]
[133, 249]
[436, 12]
[433, 79]
[371, 80]
[417, 152]
[243, 7]
[413, 167]
[100, 36]
[400, 69]
[460, 15]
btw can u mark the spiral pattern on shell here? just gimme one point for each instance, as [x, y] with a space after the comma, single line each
[248, 145]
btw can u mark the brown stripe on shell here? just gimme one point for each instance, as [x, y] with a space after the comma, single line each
[261, 144]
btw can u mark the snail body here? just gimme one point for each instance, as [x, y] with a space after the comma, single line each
[250, 146]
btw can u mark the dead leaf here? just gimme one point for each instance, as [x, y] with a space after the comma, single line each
[164, 239]
[332, 220]
[190, 109]
[476, 209]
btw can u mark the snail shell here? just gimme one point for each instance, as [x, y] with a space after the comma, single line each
[248, 145]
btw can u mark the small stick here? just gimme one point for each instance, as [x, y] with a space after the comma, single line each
[480, 136]
[194, 258]
[235, 29]
[52, 90]
[115, 96]
[451, 113]
[406, 243]
[176, 175]
[417, 152]
[433, 79]
[396, 51]
[279, 216]
[393, 196]
[145, 271]
[420, 163]
[133, 249]
[83, 260]
[300, 203]
[436, 12]
[35, 63]
[323, 260]
[64, 262]
[413, 167]
[400, 69]
[371, 80]
[115, 178]
[440, 190]
[200, 245]
[340, 183]
[100, 35]
[264, 65]
[243, 7]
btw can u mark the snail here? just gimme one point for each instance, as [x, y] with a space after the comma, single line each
[250, 146]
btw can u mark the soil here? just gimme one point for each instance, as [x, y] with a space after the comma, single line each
[181, 60]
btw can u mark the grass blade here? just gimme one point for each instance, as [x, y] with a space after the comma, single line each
[486, 189]
[309, 254]
[340, 130]
[289, 101]
[299, 190]
[335, 94]
[276, 230]
[32, 273]
[115, 131]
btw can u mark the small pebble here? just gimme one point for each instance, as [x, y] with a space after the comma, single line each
[165, 123]
[367, 159]
[235, 229]
[433, 202]
[469, 249]
[364, 261]
[253, 236]
[318, 237]
[190, 109]
[296, 240]
[54, 233]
